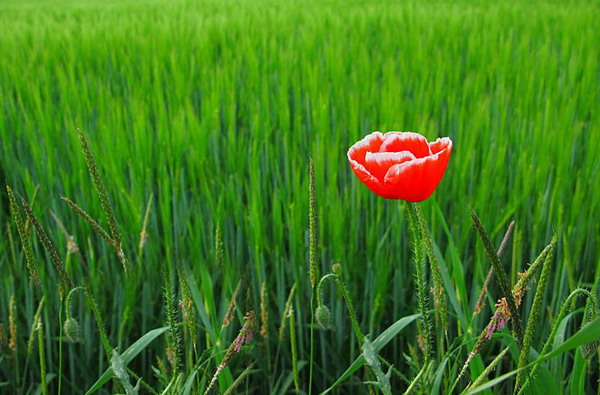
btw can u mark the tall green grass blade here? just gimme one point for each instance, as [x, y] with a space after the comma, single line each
[128, 355]
[381, 341]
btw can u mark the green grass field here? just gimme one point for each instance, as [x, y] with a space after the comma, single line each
[210, 112]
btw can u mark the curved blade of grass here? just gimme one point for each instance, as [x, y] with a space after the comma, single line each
[128, 355]
[586, 335]
[490, 367]
[380, 342]
[439, 373]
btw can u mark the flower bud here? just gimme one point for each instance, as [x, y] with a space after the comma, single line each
[337, 269]
[323, 316]
[71, 328]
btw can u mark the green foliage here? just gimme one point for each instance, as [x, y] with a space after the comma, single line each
[211, 110]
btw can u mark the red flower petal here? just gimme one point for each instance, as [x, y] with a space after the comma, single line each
[370, 143]
[369, 180]
[378, 163]
[416, 180]
[400, 165]
[405, 141]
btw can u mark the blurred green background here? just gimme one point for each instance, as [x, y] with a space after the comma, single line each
[215, 108]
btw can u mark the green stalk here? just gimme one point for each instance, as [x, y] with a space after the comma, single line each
[42, 356]
[60, 347]
[65, 281]
[415, 381]
[314, 267]
[488, 278]
[143, 233]
[99, 322]
[171, 319]
[294, 350]
[104, 200]
[439, 296]
[25, 241]
[532, 320]
[11, 247]
[488, 369]
[418, 259]
[337, 270]
[95, 225]
[501, 276]
[31, 340]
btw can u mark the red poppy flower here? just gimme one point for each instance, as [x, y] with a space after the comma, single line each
[400, 165]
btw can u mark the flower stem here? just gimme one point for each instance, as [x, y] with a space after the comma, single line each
[418, 259]
[439, 296]
[337, 270]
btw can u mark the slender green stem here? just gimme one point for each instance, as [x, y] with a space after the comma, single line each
[314, 266]
[418, 259]
[60, 347]
[99, 322]
[42, 356]
[416, 379]
[439, 296]
[337, 269]
[488, 369]
[294, 351]
[320, 287]
[312, 340]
